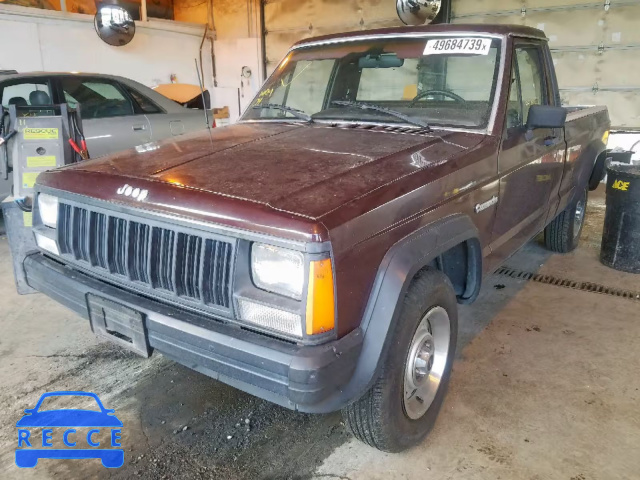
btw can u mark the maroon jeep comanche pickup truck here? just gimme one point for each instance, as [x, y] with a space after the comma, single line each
[314, 253]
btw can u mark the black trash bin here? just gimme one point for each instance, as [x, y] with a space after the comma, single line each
[620, 156]
[621, 237]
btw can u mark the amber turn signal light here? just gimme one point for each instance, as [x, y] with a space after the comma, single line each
[320, 298]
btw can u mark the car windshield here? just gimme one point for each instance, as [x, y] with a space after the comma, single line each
[438, 81]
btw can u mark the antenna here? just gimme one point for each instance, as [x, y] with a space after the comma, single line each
[418, 12]
[204, 103]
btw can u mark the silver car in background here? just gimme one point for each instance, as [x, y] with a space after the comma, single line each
[117, 113]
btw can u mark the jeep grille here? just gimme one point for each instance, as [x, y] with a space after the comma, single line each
[158, 258]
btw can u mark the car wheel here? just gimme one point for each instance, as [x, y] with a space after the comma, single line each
[401, 408]
[563, 234]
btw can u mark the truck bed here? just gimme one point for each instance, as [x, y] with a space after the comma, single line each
[580, 111]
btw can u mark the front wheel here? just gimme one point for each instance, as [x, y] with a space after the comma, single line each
[563, 234]
[401, 408]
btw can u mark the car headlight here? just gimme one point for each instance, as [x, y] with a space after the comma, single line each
[48, 207]
[277, 270]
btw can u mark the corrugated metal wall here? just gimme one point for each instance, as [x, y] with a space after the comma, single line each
[288, 21]
[596, 47]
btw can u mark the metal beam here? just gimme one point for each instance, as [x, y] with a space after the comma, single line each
[559, 8]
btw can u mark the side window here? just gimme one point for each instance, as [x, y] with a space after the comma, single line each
[97, 98]
[514, 106]
[531, 75]
[146, 105]
[27, 93]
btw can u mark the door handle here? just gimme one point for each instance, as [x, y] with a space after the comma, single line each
[139, 128]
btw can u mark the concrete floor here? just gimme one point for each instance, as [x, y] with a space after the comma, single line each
[545, 386]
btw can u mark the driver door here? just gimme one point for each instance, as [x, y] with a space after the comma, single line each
[530, 161]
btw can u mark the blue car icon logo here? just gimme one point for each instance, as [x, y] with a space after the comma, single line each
[69, 426]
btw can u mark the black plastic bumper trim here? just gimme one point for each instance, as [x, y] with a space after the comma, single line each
[296, 377]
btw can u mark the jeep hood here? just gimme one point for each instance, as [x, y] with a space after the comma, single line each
[305, 170]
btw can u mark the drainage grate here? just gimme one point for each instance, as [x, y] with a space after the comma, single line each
[563, 282]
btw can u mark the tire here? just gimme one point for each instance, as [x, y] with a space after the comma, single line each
[381, 418]
[563, 234]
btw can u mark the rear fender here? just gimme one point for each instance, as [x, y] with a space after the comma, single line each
[599, 170]
[587, 164]
[584, 171]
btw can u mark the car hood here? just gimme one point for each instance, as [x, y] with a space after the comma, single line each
[300, 169]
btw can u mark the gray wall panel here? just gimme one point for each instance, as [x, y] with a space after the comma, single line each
[596, 50]
[288, 21]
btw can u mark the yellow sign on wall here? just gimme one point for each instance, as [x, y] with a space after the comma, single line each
[40, 133]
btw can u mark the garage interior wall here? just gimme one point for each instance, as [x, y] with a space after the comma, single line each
[595, 47]
[180, 10]
[238, 43]
[288, 21]
[36, 40]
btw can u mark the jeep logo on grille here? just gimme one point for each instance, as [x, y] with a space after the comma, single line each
[134, 192]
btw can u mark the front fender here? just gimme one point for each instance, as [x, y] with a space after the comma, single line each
[398, 267]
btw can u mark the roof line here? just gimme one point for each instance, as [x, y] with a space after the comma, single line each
[487, 29]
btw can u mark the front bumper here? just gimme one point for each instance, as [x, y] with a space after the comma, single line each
[296, 377]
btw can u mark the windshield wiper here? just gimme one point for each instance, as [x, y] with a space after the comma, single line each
[378, 108]
[293, 111]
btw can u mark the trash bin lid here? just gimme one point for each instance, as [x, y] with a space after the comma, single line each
[624, 170]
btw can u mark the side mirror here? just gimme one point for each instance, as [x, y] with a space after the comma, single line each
[546, 116]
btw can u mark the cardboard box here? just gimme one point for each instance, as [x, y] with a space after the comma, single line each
[221, 113]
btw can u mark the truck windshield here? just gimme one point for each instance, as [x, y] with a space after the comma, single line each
[437, 81]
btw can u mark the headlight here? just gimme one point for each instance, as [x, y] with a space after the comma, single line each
[277, 270]
[48, 207]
